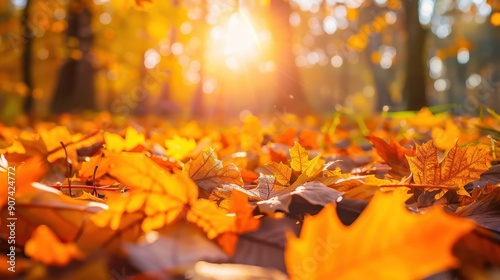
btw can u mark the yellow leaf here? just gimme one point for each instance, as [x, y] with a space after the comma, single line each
[311, 171]
[158, 195]
[251, 134]
[46, 248]
[213, 220]
[114, 142]
[300, 157]
[53, 137]
[264, 3]
[133, 138]
[216, 223]
[86, 172]
[281, 172]
[385, 242]
[180, 147]
[209, 173]
[15, 147]
[445, 139]
[459, 167]
[426, 120]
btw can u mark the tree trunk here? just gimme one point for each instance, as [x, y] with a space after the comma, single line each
[75, 89]
[198, 110]
[380, 76]
[289, 96]
[414, 88]
[27, 74]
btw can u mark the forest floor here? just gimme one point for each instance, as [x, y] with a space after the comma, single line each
[399, 196]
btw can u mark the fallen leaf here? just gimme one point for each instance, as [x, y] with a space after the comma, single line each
[245, 222]
[266, 246]
[393, 155]
[459, 167]
[180, 147]
[281, 172]
[45, 205]
[300, 158]
[485, 209]
[309, 139]
[251, 134]
[157, 253]
[385, 242]
[313, 193]
[117, 143]
[209, 173]
[267, 187]
[287, 137]
[444, 139]
[215, 271]
[46, 248]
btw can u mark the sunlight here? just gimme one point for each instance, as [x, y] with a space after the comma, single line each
[237, 36]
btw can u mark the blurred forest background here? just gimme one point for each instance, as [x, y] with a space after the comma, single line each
[220, 58]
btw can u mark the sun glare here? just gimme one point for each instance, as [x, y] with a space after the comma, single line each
[237, 36]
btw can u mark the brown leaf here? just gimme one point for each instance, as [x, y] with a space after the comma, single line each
[209, 173]
[158, 253]
[314, 193]
[281, 172]
[459, 167]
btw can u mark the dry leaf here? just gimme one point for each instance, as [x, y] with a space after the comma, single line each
[393, 155]
[209, 173]
[459, 167]
[281, 172]
[300, 158]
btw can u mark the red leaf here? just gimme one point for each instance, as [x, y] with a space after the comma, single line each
[393, 155]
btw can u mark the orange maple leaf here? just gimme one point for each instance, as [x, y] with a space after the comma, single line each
[245, 222]
[225, 228]
[161, 196]
[16, 179]
[287, 137]
[459, 167]
[385, 242]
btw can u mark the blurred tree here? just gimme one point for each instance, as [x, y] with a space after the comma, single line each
[414, 89]
[287, 86]
[27, 75]
[75, 88]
